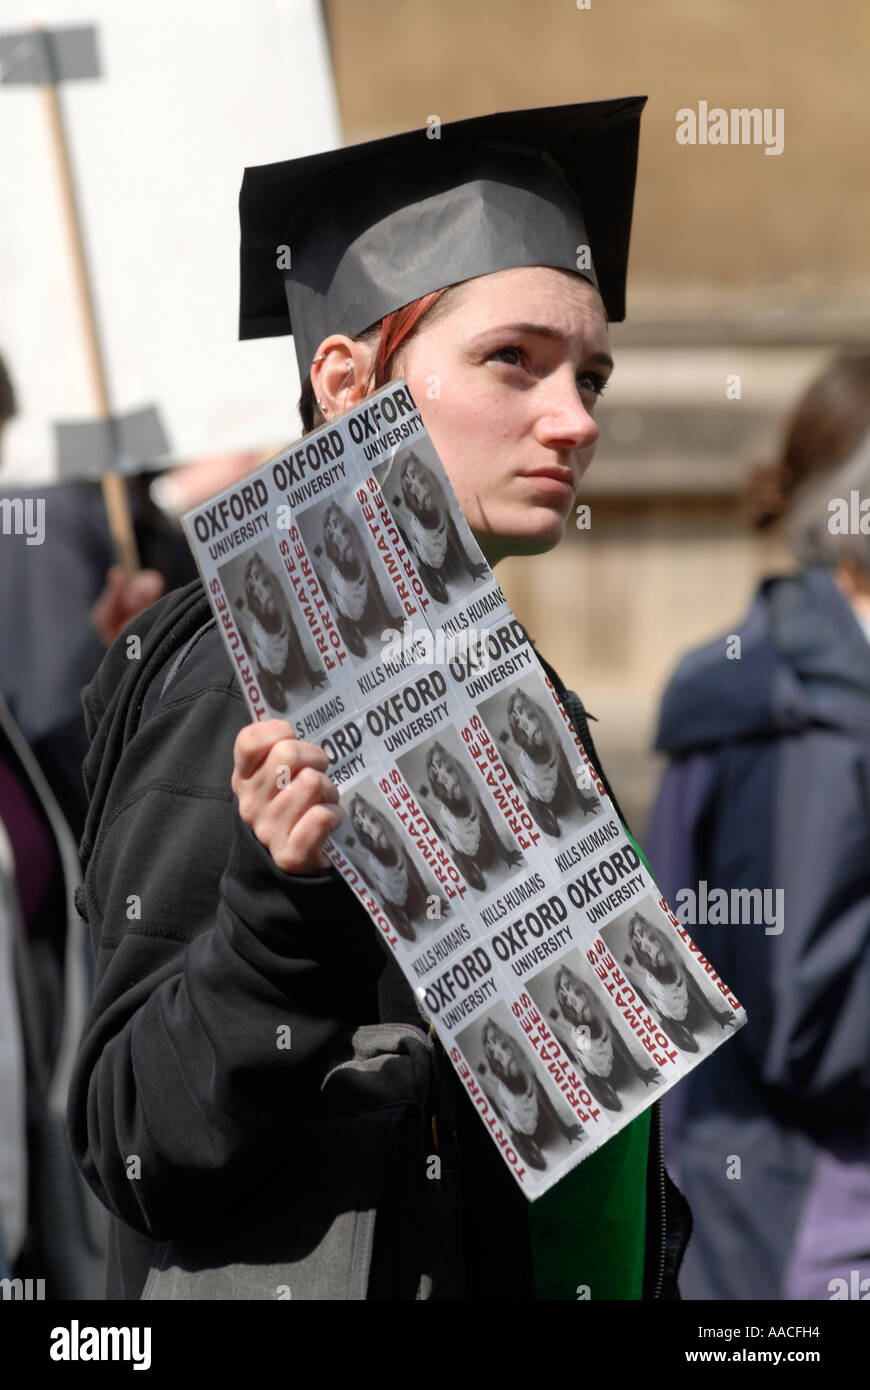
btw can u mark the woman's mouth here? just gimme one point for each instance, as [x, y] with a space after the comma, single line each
[553, 482]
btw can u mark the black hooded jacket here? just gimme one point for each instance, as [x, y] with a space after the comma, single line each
[184, 1112]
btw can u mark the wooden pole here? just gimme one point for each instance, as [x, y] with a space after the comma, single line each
[113, 484]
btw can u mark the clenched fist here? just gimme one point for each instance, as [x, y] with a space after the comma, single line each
[285, 795]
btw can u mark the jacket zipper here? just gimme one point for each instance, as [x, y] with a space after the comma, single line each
[663, 1231]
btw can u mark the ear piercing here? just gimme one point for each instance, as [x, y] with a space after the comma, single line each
[347, 375]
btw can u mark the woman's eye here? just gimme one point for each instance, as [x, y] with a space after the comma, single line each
[592, 381]
[514, 356]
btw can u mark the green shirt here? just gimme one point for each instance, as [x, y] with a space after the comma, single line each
[590, 1229]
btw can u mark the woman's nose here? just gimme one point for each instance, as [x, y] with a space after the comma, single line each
[564, 421]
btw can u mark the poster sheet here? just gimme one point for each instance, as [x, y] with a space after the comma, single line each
[355, 602]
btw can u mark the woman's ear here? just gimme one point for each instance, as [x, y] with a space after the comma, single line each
[340, 374]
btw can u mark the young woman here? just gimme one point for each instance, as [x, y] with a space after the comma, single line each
[257, 1099]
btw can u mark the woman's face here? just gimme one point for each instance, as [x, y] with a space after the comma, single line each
[506, 379]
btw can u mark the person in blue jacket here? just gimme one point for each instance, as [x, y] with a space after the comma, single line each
[768, 792]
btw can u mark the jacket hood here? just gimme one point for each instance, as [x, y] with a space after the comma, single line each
[804, 660]
[113, 700]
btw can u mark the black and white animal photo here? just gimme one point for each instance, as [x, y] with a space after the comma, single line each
[425, 509]
[651, 961]
[542, 1131]
[481, 849]
[527, 726]
[287, 666]
[410, 897]
[352, 580]
[614, 1070]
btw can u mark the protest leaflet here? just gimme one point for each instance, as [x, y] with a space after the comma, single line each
[355, 602]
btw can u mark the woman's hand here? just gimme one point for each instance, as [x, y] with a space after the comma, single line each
[285, 795]
[123, 598]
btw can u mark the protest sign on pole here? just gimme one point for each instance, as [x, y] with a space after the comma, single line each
[184, 98]
[47, 58]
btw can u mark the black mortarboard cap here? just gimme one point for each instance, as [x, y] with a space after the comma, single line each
[372, 227]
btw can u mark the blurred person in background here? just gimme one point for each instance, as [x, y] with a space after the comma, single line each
[768, 789]
[8, 407]
[64, 601]
[52, 1230]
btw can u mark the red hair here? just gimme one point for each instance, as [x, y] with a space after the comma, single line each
[393, 331]
[396, 328]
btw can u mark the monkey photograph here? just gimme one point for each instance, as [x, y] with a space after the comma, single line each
[448, 562]
[336, 544]
[665, 983]
[527, 727]
[368, 835]
[482, 850]
[286, 664]
[614, 1071]
[540, 1135]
